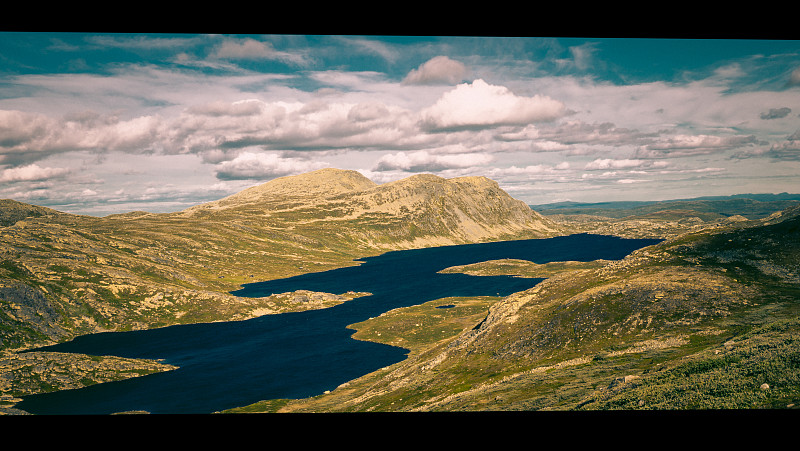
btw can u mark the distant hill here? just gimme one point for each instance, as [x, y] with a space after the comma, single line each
[12, 211]
[750, 206]
[420, 210]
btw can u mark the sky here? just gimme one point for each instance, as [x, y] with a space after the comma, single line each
[106, 123]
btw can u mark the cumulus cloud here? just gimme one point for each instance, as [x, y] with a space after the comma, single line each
[422, 161]
[314, 125]
[788, 149]
[438, 70]
[219, 108]
[250, 165]
[251, 49]
[794, 78]
[26, 137]
[483, 105]
[31, 172]
[214, 130]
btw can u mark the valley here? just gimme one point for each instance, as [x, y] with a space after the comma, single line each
[702, 320]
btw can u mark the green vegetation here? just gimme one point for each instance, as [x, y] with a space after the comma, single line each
[522, 268]
[733, 377]
[420, 327]
[700, 321]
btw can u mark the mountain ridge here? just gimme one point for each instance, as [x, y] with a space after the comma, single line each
[419, 210]
[752, 206]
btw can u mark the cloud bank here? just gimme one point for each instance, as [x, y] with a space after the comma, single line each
[546, 120]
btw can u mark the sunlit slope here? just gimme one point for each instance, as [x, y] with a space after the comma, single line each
[707, 320]
[422, 210]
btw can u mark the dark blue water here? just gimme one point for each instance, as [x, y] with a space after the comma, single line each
[296, 355]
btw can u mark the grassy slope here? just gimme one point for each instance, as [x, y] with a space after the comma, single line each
[699, 322]
[64, 275]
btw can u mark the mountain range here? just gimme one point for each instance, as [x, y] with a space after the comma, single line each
[750, 206]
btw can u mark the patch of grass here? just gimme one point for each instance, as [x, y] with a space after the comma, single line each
[419, 327]
[732, 378]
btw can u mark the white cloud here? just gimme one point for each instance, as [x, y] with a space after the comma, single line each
[422, 161]
[630, 181]
[249, 165]
[608, 163]
[786, 150]
[483, 105]
[25, 137]
[373, 47]
[248, 107]
[142, 42]
[438, 70]
[31, 172]
[794, 78]
[251, 49]
[583, 55]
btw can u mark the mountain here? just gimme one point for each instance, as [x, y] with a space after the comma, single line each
[421, 210]
[63, 275]
[706, 320]
[751, 206]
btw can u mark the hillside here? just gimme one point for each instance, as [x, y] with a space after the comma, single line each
[701, 320]
[707, 320]
[63, 275]
[334, 205]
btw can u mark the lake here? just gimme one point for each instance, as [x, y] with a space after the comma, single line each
[297, 355]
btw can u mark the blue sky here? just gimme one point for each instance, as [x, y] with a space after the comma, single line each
[106, 123]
